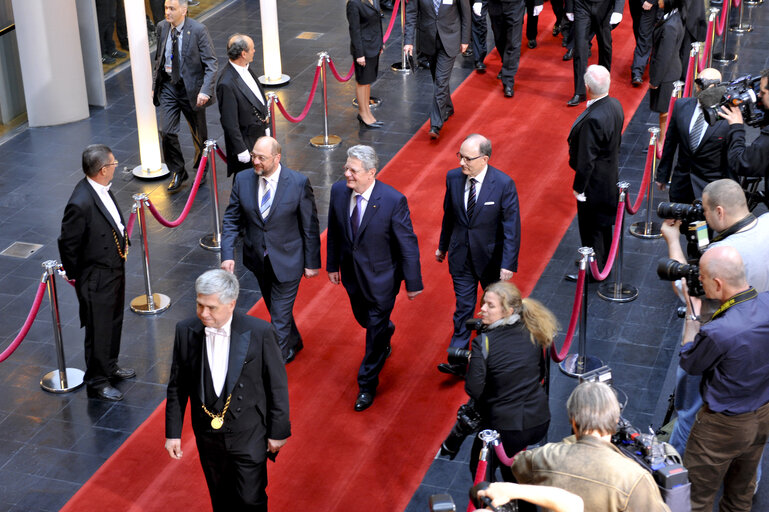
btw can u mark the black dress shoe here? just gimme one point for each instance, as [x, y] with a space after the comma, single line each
[532, 43]
[556, 29]
[448, 114]
[106, 59]
[176, 181]
[123, 373]
[637, 80]
[372, 126]
[458, 370]
[468, 52]
[480, 67]
[363, 401]
[290, 355]
[434, 132]
[117, 54]
[509, 91]
[576, 100]
[569, 54]
[499, 75]
[106, 393]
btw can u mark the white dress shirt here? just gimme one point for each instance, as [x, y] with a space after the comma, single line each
[272, 183]
[249, 79]
[218, 353]
[169, 51]
[103, 193]
[364, 202]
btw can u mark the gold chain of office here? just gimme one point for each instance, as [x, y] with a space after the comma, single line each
[217, 420]
[123, 253]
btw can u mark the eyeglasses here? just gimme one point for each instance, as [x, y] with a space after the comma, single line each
[467, 158]
[111, 163]
[262, 158]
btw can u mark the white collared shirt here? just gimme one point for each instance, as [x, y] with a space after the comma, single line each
[478, 182]
[218, 353]
[272, 183]
[364, 203]
[249, 79]
[103, 193]
[590, 102]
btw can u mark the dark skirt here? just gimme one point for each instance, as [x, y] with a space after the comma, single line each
[366, 75]
[659, 98]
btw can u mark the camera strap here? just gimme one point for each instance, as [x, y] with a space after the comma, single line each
[743, 296]
[734, 228]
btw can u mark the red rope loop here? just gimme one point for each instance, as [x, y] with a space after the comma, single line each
[632, 210]
[221, 154]
[721, 22]
[309, 100]
[27, 323]
[499, 450]
[600, 276]
[392, 21]
[129, 227]
[336, 73]
[689, 79]
[707, 47]
[190, 199]
[555, 355]
[480, 476]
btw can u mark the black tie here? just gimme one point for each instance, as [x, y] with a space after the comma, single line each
[355, 217]
[174, 56]
[471, 199]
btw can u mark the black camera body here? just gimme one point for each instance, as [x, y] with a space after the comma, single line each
[741, 93]
[468, 422]
[672, 270]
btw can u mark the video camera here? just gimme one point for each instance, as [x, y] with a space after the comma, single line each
[741, 93]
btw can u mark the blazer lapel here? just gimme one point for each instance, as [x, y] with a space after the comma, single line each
[103, 209]
[197, 343]
[345, 213]
[686, 118]
[371, 209]
[251, 195]
[458, 194]
[247, 92]
[489, 183]
[240, 338]
[279, 191]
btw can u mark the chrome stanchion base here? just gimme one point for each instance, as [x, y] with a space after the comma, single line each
[575, 365]
[321, 141]
[398, 67]
[741, 29]
[752, 3]
[724, 59]
[283, 80]
[374, 103]
[140, 305]
[146, 174]
[645, 230]
[617, 292]
[52, 383]
[210, 243]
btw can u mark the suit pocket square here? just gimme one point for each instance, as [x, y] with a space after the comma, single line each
[488, 203]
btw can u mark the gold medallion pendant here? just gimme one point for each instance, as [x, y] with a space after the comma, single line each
[217, 422]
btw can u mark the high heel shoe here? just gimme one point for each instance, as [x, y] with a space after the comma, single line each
[372, 126]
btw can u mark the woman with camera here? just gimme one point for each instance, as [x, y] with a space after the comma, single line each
[507, 364]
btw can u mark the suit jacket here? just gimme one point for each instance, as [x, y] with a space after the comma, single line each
[365, 28]
[256, 378]
[665, 64]
[492, 238]
[594, 142]
[452, 24]
[694, 19]
[198, 61]
[385, 250]
[290, 233]
[695, 169]
[243, 116]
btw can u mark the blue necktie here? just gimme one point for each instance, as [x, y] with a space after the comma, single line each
[355, 217]
[437, 5]
[264, 206]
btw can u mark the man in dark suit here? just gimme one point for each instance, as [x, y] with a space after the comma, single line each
[481, 232]
[184, 85]
[444, 31]
[274, 208]
[93, 245]
[644, 14]
[512, 13]
[702, 148]
[591, 17]
[594, 143]
[372, 244]
[242, 104]
[228, 366]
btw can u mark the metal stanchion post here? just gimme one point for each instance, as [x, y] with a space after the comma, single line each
[213, 241]
[271, 99]
[741, 28]
[325, 141]
[62, 379]
[580, 363]
[489, 438]
[697, 48]
[149, 303]
[712, 15]
[725, 57]
[403, 65]
[618, 291]
[649, 228]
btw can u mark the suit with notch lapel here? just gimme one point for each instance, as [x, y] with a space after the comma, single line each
[365, 28]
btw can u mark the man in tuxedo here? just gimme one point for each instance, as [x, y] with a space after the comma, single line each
[481, 232]
[702, 148]
[594, 142]
[644, 14]
[444, 31]
[274, 208]
[372, 244]
[93, 245]
[183, 78]
[228, 366]
[242, 104]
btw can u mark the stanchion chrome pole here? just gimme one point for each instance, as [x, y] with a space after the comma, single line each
[325, 141]
[403, 65]
[712, 15]
[697, 47]
[580, 363]
[63, 379]
[271, 99]
[741, 28]
[618, 291]
[724, 57]
[213, 241]
[489, 438]
[149, 303]
[754, 3]
[648, 228]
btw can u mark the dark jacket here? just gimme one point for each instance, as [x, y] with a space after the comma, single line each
[664, 65]
[365, 28]
[452, 24]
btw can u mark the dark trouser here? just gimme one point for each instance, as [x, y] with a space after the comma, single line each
[236, 482]
[466, 292]
[590, 17]
[725, 449]
[531, 21]
[158, 10]
[643, 26]
[174, 102]
[101, 292]
[375, 318]
[440, 69]
[594, 231]
[513, 11]
[279, 298]
[106, 13]
[498, 27]
[120, 24]
[686, 48]
[480, 33]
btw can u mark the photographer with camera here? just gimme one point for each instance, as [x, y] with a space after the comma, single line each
[731, 354]
[506, 368]
[588, 464]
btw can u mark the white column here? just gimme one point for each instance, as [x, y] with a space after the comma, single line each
[273, 72]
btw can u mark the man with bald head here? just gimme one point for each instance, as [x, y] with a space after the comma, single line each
[731, 354]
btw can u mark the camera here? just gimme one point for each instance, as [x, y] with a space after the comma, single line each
[672, 270]
[458, 355]
[468, 422]
[741, 93]
[686, 213]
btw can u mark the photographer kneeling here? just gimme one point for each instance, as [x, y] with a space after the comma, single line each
[506, 368]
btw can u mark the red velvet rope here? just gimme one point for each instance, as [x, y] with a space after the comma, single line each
[632, 210]
[221, 154]
[190, 199]
[392, 21]
[721, 24]
[555, 355]
[480, 476]
[661, 139]
[502, 456]
[336, 73]
[689, 78]
[600, 276]
[737, 3]
[129, 227]
[309, 100]
[27, 323]
[708, 47]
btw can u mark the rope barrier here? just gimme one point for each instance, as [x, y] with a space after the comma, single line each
[392, 21]
[221, 154]
[502, 456]
[721, 24]
[689, 79]
[336, 73]
[480, 476]
[632, 210]
[555, 355]
[27, 323]
[737, 3]
[129, 227]
[703, 61]
[309, 100]
[190, 199]
[600, 276]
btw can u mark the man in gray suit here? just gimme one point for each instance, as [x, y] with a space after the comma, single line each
[274, 207]
[183, 78]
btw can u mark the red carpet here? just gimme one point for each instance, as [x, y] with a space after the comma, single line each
[338, 459]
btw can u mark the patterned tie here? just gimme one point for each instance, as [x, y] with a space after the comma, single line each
[696, 133]
[471, 198]
[213, 331]
[264, 206]
[355, 217]
[175, 63]
[436, 5]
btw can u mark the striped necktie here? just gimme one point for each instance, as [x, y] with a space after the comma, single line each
[436, 5]
[471, 198]
[264, 206]
[696, 133]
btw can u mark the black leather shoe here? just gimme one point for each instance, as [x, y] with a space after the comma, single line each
[637, 80]
[532, 43]
[106, 393]
[480, 67]
[569, 54]
[373, 126]
[363, 401]
[509, 91]
[468, 52]
[458, 370]
[123, 373]
[576, 100]
[556, 29]
[176, 181]
[434, 132]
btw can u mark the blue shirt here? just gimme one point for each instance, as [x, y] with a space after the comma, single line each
[169, 50]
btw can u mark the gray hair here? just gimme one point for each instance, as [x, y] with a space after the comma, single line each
[236, 45]
[484, 144]
[598, 79]
[594, 408]
[94, 158]
[365, 154]
[218, 281]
